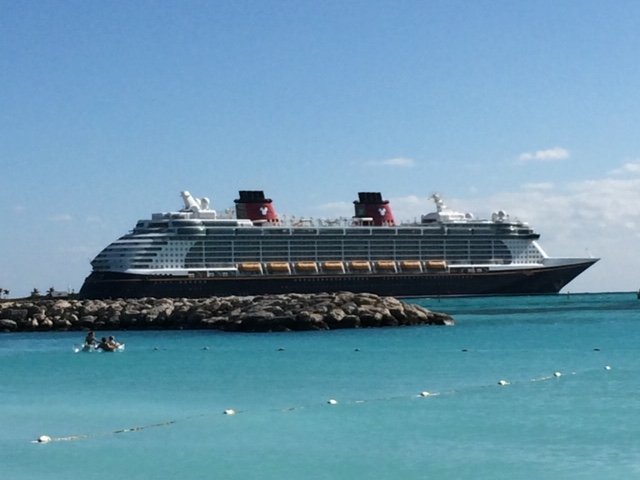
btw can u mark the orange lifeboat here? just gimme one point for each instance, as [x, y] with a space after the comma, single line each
[278, 267]
[306, 267]
[386, 266]
[411, 265]
[436, 265]
[333, 266]
[359, 266]
[250, 267]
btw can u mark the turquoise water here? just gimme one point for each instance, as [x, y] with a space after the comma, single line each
[156, 410]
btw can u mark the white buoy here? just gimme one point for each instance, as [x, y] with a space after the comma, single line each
[557, 374]
[229, 411]
[44, 439]
[502, 383]
[607, 367]
[424, 394]
[332, 401]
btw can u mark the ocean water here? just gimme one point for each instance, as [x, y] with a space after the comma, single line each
[571, 408]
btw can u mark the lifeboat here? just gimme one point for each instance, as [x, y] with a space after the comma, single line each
[250, 267]
[306, 267]
[436, 265]
[411, 265]
[386, 266]
[278, 267]
[333, 266]
[359, 266]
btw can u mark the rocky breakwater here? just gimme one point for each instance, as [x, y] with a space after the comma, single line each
[237, 314]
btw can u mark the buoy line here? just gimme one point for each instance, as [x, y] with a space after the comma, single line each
[44, 439]
[49, 439]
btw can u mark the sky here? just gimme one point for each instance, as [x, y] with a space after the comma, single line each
[108, 109]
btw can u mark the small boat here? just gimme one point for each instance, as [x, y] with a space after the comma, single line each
[93, 348]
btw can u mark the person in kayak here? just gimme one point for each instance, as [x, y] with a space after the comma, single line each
[90, 342]
[90, 339]
[105, 345]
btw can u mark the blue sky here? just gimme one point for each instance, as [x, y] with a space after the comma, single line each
[109, 109]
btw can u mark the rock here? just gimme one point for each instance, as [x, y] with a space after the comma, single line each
[311, 321]
[87, 321]
[62, 324]
[16, 314]
[349, 321]
[59, 307]
[438, 318]
[8, 325]
[262, 313]
[130, 315]
[196, 315]
[46, 324]
[334, 318]
[213, 322]
[349, 307]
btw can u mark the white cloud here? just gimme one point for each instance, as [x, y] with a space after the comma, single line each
[538, 186]
[394, 162]
[629, 168]
[549, 155]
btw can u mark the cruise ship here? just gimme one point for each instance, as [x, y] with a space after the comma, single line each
[195, 252]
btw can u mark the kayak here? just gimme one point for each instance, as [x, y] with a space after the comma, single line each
[91, 348]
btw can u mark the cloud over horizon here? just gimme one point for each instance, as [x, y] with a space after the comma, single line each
[550, 155]
[401, 162]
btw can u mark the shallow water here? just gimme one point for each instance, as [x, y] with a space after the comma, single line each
[156, 410]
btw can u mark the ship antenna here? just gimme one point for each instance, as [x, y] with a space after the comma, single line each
[440, 206]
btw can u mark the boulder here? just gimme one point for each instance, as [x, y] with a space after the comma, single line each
[262, 313]
[16, 314]
[8, 325]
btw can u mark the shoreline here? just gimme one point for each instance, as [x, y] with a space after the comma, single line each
[264, 313]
